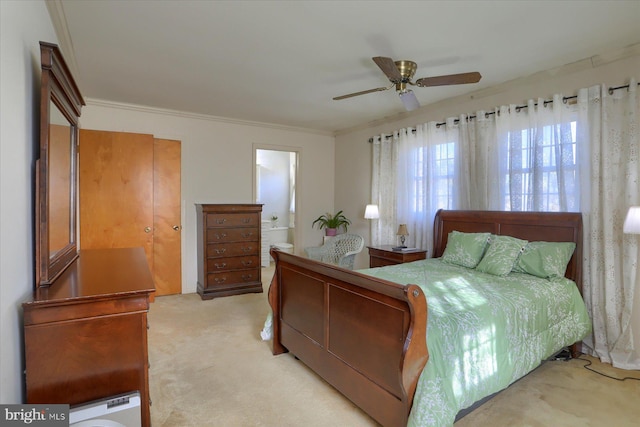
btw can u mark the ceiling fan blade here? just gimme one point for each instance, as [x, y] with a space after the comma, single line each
[409, 100]
[379, 89]
[449, 79]
[388, 67]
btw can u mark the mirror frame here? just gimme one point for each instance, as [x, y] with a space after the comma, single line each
[59, 88]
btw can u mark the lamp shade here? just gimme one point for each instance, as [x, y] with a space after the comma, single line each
[371, 212]
[632, 221]
[402, 230]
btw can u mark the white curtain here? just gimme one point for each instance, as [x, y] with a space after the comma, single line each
[608, 122]
[424, 182]
[383, 189]
[478, 163]
[547, 156]
[536, 153]
[414, 175]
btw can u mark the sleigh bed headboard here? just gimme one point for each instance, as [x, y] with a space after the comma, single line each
[531, 226]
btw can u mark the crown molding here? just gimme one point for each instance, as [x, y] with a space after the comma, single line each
[59, 22]
[196, 116]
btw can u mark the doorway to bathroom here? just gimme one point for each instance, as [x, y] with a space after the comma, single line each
[275, 187]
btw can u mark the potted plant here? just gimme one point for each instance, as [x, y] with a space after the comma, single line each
[331, 223]
[274, 220]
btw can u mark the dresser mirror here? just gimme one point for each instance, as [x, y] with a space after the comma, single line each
[56, 194]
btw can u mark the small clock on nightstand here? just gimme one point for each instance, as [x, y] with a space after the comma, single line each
[384, 255]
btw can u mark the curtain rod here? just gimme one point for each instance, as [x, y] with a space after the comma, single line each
[520, 107]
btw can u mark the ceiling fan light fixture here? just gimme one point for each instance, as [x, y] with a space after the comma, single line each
[409, 100]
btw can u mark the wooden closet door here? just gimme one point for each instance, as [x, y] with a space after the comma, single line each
[167, 227]
[116, 191]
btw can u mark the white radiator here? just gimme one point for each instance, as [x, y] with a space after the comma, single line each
[265, 258]
[117, 411]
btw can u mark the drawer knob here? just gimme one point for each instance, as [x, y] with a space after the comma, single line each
[247, 276]
[221, 251]
[247, 263]
[221, 221]
[245, 235]
[246, 220]
[220, 280]
[223, 265]
[221, 236]
[248, 249]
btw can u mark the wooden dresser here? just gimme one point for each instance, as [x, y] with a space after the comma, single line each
[229, 242]
[86, 334]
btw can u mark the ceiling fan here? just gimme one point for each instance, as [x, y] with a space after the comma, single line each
[400, 74]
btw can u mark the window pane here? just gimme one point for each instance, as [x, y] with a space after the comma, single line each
[541, 168]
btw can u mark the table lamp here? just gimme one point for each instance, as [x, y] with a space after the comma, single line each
[402, 232]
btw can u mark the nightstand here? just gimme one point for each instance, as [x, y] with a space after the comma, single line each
[383, 255]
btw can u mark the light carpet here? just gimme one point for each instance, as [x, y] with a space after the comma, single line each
[209, 367]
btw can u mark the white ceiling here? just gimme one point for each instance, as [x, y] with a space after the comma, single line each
[282, 62]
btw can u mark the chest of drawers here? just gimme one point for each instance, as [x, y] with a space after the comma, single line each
[229, 242]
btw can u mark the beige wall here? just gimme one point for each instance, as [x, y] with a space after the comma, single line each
[22, 26]
[217, 164]
[353, 152]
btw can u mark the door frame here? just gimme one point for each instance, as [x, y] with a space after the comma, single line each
[254, 194]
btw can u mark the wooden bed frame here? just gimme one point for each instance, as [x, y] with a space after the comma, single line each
[367, 336]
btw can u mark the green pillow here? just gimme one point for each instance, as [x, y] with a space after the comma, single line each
[501, 255]
[465, 249]
[545, 259]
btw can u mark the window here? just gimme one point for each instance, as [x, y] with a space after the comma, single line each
[541, 171]
[507, 161]
[442, 178]
[444, 159]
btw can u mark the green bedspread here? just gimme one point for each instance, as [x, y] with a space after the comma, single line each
[484, 332]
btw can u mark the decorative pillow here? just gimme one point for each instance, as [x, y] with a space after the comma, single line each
[545, 259]
[465, 249]
[501, 255]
